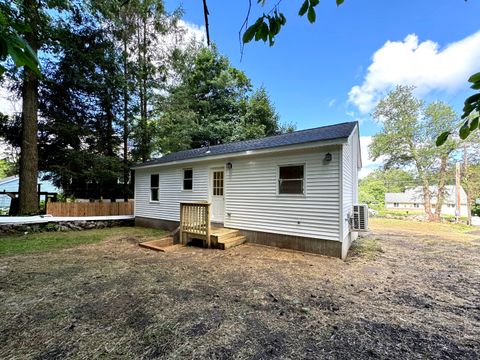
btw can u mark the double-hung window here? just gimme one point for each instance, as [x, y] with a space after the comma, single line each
[187, 179]
[154, 187]
[291, 179]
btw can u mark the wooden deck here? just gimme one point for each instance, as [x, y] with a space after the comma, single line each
[220, 238]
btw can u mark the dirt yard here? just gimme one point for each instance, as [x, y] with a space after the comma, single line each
[407, 291]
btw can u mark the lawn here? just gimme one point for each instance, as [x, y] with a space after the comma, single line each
[408, 290]
[47, 241]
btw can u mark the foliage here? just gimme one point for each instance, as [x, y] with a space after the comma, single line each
[373, 187]
[79, 103]
[211, 103]
[12, 44]
[470, 116]
[268, 26]
[408, 139]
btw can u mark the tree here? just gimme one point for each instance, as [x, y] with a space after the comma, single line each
[373, 187]
[30, 21]
[80, 102]
[211, 103]
[408, 139]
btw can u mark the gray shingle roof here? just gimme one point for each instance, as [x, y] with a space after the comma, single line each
[324, 133]
[415, 195]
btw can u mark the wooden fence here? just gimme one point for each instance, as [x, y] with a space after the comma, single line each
[89, 209]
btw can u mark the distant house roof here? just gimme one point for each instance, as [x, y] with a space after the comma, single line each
[415, 195]
[8, 179]
[11, 184]
[324, 133]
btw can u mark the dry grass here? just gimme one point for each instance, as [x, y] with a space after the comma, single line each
[402, 293]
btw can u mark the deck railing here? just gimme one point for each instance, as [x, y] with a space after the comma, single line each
[195, 221]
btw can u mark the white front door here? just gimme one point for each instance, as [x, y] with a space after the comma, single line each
[217, 194]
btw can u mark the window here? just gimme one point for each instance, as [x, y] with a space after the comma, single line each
[187, 179]
[417, 205]
[218, 183]
[290, 179]
[395, 204]
[154, 187]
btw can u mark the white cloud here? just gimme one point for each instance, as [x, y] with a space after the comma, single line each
[9, 103]
[332, 102]
[193, 31]
[422, 64]
[368, 164]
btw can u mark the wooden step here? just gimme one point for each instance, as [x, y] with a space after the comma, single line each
[158, 244]
[222, 234]
[231, 242]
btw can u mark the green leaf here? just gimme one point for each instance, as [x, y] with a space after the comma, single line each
[442, 138]
[464, 131]
[474, 78]
[274, 26]
[304, 8]
[264, 31]
[311, 15]
[472, 99]
[283, 19]
[249, 34]
[476, 86]
[474, 123]
[271, 40]
[17, 55]
[467, 109]
[339, 2]
[314, 2]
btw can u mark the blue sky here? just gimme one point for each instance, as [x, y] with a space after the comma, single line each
[311, 69]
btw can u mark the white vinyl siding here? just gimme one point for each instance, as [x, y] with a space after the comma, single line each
[251, 194]
[349, 179]
[252, 201]
[171, 191]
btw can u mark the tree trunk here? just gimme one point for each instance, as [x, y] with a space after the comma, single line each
[28, 198]
[125, 118]
[426, 200]
[442, 179]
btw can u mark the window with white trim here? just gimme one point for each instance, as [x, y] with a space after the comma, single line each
[187, 179]
[154, 187]
[395, 204]
[291, 179]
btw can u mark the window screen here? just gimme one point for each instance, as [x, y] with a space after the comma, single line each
[154, 187]
[290, 179]
[187, 179]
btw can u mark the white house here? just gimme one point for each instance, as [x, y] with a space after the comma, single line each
[294, 190]
[412, 199]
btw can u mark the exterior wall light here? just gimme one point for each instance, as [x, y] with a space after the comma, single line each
[328, 157]
[229, 166]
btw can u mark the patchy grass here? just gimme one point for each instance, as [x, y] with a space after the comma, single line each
[410, 292]
[368, 247]
[48, 241]
[445, 230]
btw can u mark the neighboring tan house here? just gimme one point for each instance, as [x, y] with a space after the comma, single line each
[295, 190]
[412, 199]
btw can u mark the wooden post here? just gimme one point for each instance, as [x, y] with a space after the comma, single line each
[207, 217]
[181, 224]
[457, 193]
